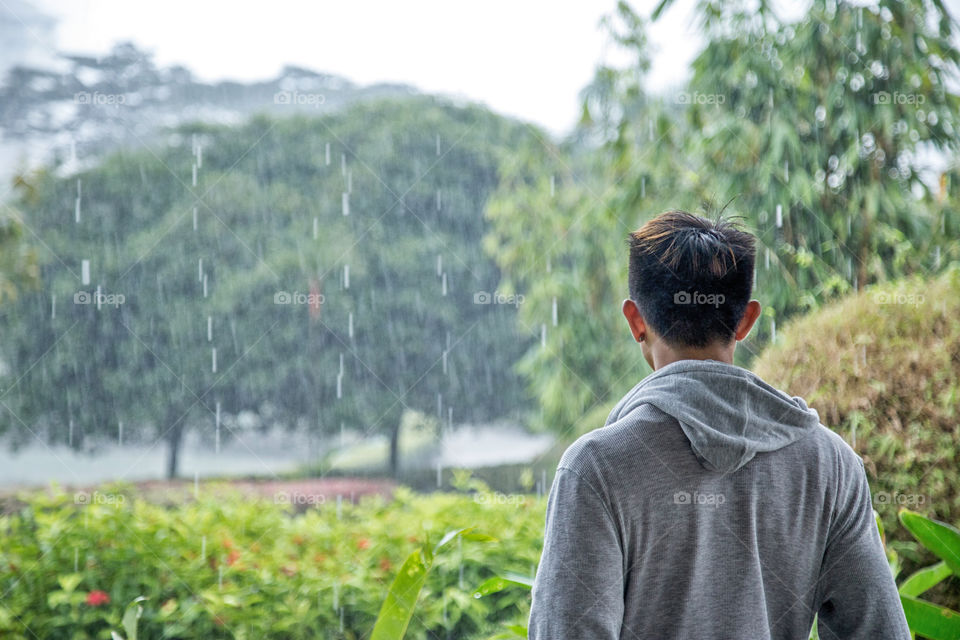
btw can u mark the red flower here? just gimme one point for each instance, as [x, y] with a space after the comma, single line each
[97, 598]
[363, 543]
[385, 563]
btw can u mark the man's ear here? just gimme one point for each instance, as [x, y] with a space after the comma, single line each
[632, 313]
[750, 315]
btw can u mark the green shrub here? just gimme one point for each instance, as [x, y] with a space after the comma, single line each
[883, 369]
[231, 566]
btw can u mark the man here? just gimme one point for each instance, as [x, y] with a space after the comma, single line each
[710, 505]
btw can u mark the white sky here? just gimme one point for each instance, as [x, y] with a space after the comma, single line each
[526, 58]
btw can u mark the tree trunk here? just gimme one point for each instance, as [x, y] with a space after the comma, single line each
[395, 449]
[174, 440]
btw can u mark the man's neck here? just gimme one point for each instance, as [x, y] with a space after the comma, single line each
[668, 355]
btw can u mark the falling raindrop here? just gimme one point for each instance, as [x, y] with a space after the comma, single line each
[444, 360]
[439, 265]
[120, 433]
[773, 330]
[327, 152]
[76, 205]
[194, 218]
[70, 427]
[444, 283]
[936, 257]
[350, 324]
[553, 185]
[217, 420]
[438, 144]
[209, 328]
[786, 171]
[779, 216]
[203, 548]
[53, 307]
[85, 272]
[345, 203]
[439, 405]
[554, 314]
[194, 175]
[439, 475]
[341, 365]
[543, 335]
[199, 156]
[316, 227]
[99, 298]
[200, 270]
[204, 285]
[766, 258]
[438, 199]
[346, 276]
[213, 359]
[339, 386]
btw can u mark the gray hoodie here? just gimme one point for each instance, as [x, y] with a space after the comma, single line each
[712, 505]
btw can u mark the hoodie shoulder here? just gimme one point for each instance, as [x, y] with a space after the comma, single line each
[594, 452]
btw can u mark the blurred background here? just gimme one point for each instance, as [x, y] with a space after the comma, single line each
[386, 243]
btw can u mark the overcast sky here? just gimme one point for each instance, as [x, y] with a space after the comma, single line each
[526, 58]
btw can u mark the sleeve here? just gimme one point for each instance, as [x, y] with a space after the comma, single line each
[578, 589]
[858, 596]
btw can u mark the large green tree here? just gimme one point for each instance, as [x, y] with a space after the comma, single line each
[318, 272]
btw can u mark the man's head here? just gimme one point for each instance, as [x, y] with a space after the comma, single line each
[690, 282]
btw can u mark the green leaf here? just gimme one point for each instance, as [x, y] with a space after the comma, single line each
[931, 621]
[499, 583]
[939, 537]
[69, 582]
[131, 616]
[924, 579]
[397, 609]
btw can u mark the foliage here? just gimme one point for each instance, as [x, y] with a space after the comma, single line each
[259, 290]
[817, 134]
[927, 619]
[228, 566]
[881, 367]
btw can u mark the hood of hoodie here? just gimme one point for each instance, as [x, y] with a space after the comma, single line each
[727, 413]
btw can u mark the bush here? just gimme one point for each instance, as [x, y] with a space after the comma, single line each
[231, 566]
[883, 369]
